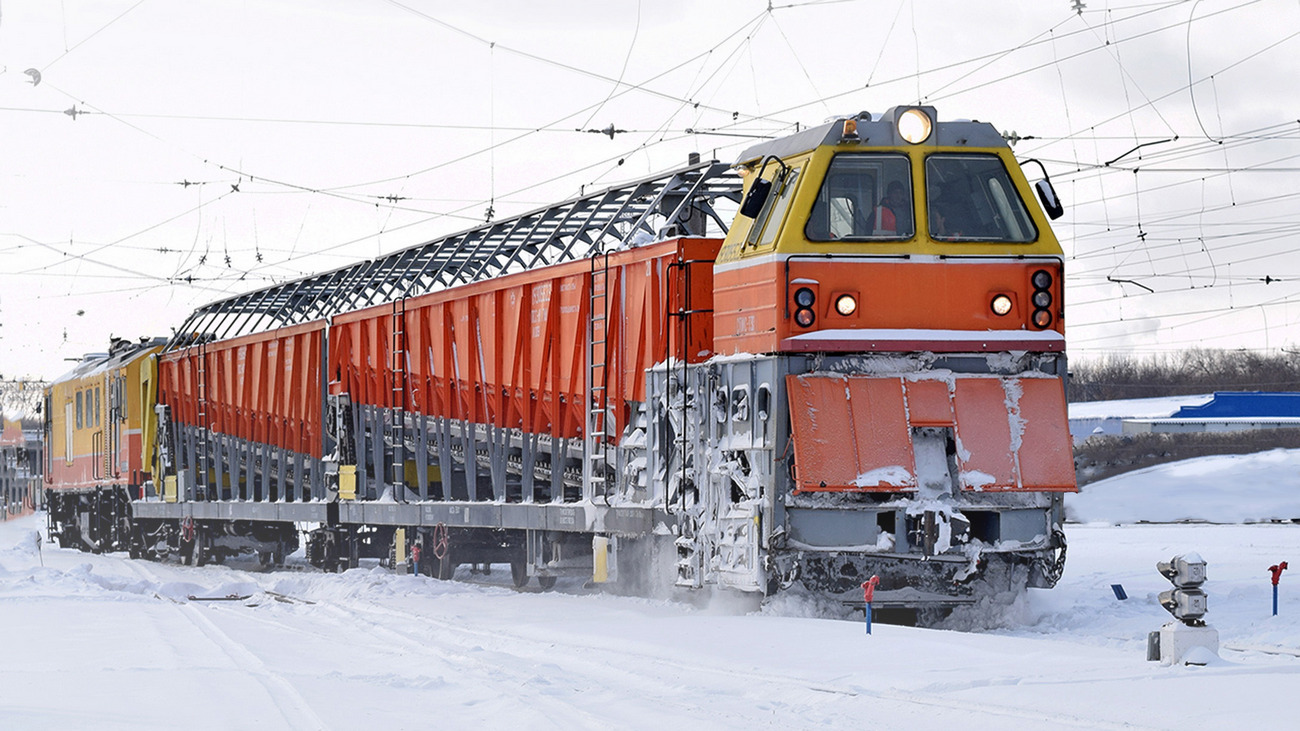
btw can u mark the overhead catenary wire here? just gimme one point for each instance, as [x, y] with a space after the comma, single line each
[1166, 241]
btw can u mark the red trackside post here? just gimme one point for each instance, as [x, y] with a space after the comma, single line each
[1277, 570]
[868, 590]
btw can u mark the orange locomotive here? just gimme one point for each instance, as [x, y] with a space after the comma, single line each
[866, 376]
[896, 287]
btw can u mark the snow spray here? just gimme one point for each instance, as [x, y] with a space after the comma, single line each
[868, 590]
[1277, 574]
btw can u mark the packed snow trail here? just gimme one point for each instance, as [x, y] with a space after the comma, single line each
[106, 642]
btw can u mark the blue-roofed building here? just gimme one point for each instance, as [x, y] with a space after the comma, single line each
[1226, 411]
[1106, 418]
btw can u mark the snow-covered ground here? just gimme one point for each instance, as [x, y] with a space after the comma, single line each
[1230, 488]
[104, 642]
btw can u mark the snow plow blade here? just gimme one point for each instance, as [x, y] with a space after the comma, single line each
[855, 433]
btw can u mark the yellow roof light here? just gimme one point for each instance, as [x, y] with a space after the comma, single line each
[914, 125]
[850, 132]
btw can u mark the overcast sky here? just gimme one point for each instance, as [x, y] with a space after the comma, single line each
[176, 153]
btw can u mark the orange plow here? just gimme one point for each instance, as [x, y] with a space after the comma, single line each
[856, 433]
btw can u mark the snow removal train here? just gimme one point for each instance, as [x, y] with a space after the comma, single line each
[864, 377]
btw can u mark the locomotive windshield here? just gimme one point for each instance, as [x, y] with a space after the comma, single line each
[971, 198]
[864, 196]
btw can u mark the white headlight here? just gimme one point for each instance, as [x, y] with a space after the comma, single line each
[914, 126]
[846, 304]
[1001, 305]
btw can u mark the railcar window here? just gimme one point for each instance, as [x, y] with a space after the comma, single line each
[79, 409]
[97, 400]
[971, 198]
[67, 432]
[865, 197]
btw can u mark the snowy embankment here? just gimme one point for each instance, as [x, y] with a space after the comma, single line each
[108, 643]
[1237, 488]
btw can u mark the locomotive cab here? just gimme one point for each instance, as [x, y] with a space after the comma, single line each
[892, 214]
[898, 281]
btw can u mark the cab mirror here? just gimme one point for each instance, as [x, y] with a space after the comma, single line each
[1047, 195]
[757, 196]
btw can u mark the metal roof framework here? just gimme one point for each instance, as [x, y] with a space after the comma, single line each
[677, 203]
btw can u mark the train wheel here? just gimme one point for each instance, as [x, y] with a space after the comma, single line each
[547, 582]
[329, 562]
[446, 567]
[519, 574]
[200, 549]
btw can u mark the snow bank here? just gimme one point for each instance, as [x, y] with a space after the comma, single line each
[1219, 489]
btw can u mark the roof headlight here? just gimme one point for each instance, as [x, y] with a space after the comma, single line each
[914, 125]
[846, 304]
[1001, 305]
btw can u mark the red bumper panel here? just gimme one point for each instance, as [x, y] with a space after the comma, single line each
[854, 433]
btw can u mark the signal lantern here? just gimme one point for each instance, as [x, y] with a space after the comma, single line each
[804, 299]
[1186, 601]
[1041, 299]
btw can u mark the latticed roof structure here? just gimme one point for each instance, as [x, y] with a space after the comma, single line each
[678, 203]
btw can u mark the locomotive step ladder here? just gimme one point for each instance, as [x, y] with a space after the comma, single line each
[596, 455]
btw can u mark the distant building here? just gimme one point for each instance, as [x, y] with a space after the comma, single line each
[1218, 412]
[1089, 418]
[1227, 411]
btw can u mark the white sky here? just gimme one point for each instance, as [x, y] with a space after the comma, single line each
[317, 110]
